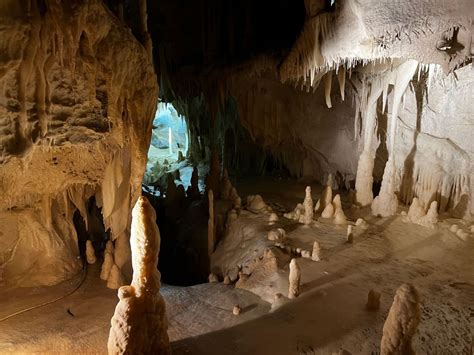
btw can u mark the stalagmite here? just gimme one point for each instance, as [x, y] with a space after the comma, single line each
[416, 211]
[349, 235]
[139, 324]
[115, 280]
[307, 217]
[431, 217]
[272, 219]
[361, 223]
[339, 216]
[294, 279]
[402, 322]
[236, 310]
[373, 301]
[227, 280]
[212, 278]
[211, 226]
[454, 228]
[328, 211]
[106, 265]
[326, 197]
[276, 234]
[90, 253]
[316, 254]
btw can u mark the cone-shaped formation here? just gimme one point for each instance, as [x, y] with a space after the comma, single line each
[90, 253]
[339, 216]
[326, 197]
[401, 322]
[307, 217]
[139, 324]
[106, 265]
[316, 254]
[416, 214]
[294, 279]
[114, 280]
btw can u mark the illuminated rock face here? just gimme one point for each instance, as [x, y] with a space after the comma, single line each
[139, 324]
[75, 120]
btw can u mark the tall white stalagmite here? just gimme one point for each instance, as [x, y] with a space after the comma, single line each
[386, 203]
[365, 166]
[139, 324]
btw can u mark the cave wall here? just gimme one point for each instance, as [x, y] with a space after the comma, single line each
[78, 95]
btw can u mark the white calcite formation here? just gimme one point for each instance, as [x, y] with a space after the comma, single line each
[115, 279]
[107, 265]
[349, 234]
[307, 217]
[272, 219]
[139, 324]
[316, 254]
[339, 216]
[416, 214]
[294, 279]
[276, 234]
[76, 119]
[325, 200]
[90, 253]
[402, 322]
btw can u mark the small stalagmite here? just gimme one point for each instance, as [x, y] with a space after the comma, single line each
[373, 301]
[416, 211]
[328, 211]
[90, 253]
[115, 280]
[213, 278]
[339, 216]
[236, 310]
[227, 280]
[402, 322]
[349, 235]
[106, 265]
[326, 197]
[307, 217]
[139, 324]
[276, 234]
[294, 279]
[272, 219]
[316, 254]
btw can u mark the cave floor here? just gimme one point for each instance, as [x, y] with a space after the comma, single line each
[328, 315]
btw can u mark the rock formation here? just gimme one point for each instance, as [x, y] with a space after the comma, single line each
[294, 279]
[90, 253]
[373, 301]
[139, 324]
[339, 216]
[76, 123]
[402, 322]
[211, 226]
[316, 253]
[307, 217]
